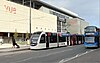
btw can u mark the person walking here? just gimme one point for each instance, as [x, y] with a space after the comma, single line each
[14, 43]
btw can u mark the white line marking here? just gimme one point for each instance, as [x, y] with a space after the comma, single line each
[76, 56]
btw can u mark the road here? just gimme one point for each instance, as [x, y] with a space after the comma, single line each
[93, 56]
[54, 55]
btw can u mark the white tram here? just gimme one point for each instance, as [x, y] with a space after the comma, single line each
[41, 40]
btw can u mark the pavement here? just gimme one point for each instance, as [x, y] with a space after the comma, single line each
[8, 48]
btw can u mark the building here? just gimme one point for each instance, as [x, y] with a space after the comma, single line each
[76, 26]
[29, 16]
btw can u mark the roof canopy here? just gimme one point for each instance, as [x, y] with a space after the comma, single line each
[56, 9]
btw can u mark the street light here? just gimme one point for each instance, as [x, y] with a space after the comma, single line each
[29, 14]
[30, 18]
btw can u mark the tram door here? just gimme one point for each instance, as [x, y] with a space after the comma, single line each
[80, 39]
[68, 40]
[47, 39]
[97, 40]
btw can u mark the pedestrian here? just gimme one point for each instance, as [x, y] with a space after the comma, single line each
[14, 43]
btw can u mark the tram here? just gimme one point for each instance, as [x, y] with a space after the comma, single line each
[92, 36]
[41, 40]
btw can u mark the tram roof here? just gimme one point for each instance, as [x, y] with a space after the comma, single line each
[90, 26]
[42, 3]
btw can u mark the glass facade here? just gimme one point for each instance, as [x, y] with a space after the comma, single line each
[61, 21]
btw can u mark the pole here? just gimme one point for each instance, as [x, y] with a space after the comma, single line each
[61, 27]
[23, 2]
[57, 40]
[30, 19]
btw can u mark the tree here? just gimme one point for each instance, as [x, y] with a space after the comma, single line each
[15, 34]
[27, 35]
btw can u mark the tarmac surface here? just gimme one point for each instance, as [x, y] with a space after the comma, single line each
[92, 57]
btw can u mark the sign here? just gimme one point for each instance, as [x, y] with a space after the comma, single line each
[10, 9]
[90, 33]
[65, 34]
[60, 17]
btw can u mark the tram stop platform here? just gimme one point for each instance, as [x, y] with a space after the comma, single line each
[8, 48]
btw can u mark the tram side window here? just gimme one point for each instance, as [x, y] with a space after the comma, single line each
[62, 39]
[53, 38]
[42, 40]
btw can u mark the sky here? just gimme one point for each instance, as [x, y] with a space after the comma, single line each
[87, 9]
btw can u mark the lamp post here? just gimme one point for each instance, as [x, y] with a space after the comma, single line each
[30, 19]
[30, 2]
[23, 2]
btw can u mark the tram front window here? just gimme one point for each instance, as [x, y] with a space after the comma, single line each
[34, 38]
[90, 29]
[42, 40]
[89, 39]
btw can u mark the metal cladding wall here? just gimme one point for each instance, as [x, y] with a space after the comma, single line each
[77, 26]
[14, 16]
